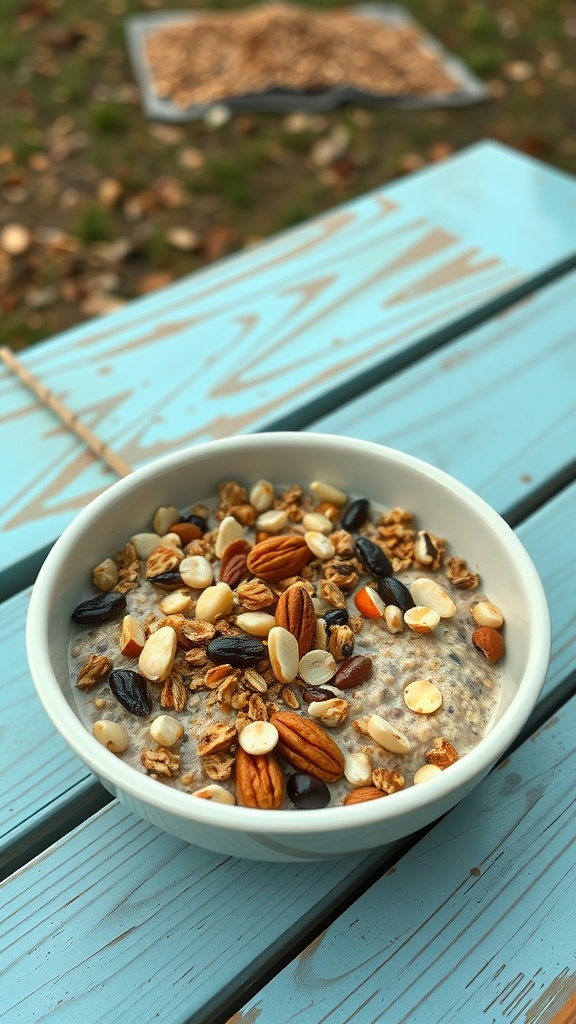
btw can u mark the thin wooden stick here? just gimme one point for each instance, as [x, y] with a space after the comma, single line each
[69, 419]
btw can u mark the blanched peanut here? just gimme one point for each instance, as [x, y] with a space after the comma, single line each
[196, 571]
[258, 737]
[216, 793]
[145, 544]
[317, 667]
[157, 657]
[317, 523]
[427, 771]
[164, 518]
[214, 601]
[326, 492]
[272, 521]
[428, 593]
[262, 496]
[393, 618]
[386, 735]
[111, 735]
[105, 575]
[422, 696]
[487, 614]
[166, 730]
[174, 602]
[319, 545]
[421, 619]
[256, 623]
[358, 769]
[230, 529]
[283, 654]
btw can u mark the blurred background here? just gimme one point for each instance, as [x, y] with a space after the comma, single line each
[99, 205]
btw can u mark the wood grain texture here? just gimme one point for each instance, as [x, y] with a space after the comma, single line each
[264, 338]
[496, 409]
[122, 921]
[147, 915]
[39, 776]
[475, 923]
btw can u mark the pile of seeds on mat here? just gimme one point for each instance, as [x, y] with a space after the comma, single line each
[220, 55]
[250, 653]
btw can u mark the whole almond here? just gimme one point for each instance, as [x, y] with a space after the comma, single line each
[295, 612]
[259, 781]
[489, 642]
[277, 558]
[187, 532]
[307, 747]
[233, 567]
[362, 795]
[352, 672]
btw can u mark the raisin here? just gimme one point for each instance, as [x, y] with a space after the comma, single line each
[238, 651]
[99, 609]
[131, 691]
[356, 514]
[393, 591]
[373, 558]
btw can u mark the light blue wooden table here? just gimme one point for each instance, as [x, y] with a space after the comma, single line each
[437, 315]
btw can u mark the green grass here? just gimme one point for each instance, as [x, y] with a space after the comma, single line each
[257, 177]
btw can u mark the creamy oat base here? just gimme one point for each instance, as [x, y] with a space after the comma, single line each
[469, 684]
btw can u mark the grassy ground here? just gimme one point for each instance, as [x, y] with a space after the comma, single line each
[110, 206]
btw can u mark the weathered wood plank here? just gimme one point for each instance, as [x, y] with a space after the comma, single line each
[40, 779]
[157, 916]
[277, 334]
[475, 922]
[496, 409]
[160, 925]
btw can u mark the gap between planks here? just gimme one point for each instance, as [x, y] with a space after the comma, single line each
[304, 417]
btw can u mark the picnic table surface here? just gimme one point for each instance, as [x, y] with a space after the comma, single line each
[434, 315]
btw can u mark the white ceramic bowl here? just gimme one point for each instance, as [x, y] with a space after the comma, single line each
[446, 507]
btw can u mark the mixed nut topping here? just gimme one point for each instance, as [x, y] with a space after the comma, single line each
[287, 648]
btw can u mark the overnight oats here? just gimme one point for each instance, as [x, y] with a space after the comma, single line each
[287, 647]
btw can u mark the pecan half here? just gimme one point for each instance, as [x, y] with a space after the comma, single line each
[233, 565]
[278, 557]
[259, 781]
[307, 747]
[295, 612]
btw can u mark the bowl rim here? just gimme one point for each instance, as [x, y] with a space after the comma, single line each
[145, 790]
